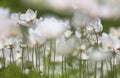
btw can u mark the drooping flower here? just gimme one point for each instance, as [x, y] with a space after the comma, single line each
[51, 27]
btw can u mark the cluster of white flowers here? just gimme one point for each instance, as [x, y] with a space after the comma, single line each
[49, 39]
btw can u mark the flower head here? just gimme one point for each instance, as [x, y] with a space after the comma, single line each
[36, 38]
[94, 25]
[26, 19]
[4, 13]
[51, 27]
[115, 32]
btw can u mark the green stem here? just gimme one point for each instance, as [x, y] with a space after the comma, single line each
[33, 55]
[62, 67]
[22, 58]
[49, 56]
[28, 52]
[54, 57]
[39, 59]
[65, 66]
[44, 58]
[80, 67]
[95, 75]
[101, 70]
[3, 62]
[3, 57]
[88, 70]
[11, 55]
[36, 53]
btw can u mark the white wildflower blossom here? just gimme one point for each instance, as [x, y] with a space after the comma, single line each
[79, 21]
[51, 27]
[27, 19]
[65, 46]
[94, 25]
[98, 54]
[4, 13]
[107, 42]
[117, 45]
[115, 32]
[36, 38]
[95, 39]
[84, 56]
[7, 27]
[68, 33]
[2, 44]
[9, 41]
[77, 34]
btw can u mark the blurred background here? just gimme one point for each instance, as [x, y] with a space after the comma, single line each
[107, 10]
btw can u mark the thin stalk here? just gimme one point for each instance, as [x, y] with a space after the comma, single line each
[80, 67]
[96, 36]
[28, 52]
[3, 57]
[88, 70]
[11, 54]
[36, 53]
[44, 58]
[39, 59]
[33, 55]
[49, 57]
[22, 58]
[3, 61]
[65, 66]
[62, 67]
[95, 73]
[84, 66]
[101, 70]
[54, 57]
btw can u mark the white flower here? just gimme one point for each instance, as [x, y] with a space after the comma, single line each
[77, 34]
[29, 16]
[79, 21]
[84, 56]
[115, 32]
[94, 25]
[7, 28]
[51, 27]
[65, 46]
[68, 33]
[1, 44]
[9, 41]
[98, 54]
[95, 39]
[84, 22]
[107, 42]
[4, 13]
[26, 19]
[117, 45]
[36, 38]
